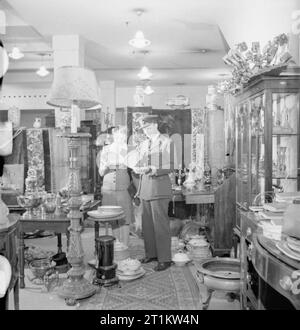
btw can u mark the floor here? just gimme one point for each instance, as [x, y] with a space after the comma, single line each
[33, 297]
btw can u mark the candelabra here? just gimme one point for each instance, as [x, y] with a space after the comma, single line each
[180, 175]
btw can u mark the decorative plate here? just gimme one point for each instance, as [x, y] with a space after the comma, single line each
[100, 214]
[283, 247]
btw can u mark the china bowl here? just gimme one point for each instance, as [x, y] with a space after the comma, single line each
[129, 265]
[180, 259]
[39, 267]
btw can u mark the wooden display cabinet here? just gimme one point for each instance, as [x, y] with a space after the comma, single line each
[267, 139]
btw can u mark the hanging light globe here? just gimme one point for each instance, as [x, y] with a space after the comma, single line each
[42, 71]
[148, 90]
[139, 41]
[16, 54]
[145, 74]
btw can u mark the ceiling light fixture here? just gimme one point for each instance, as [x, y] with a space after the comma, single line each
[145, 74]
[148, 90]
[16, 54]
[139, 41]
[42, 71]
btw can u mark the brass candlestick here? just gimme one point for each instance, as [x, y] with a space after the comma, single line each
[76, 286]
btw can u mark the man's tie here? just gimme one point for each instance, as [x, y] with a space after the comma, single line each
[149, 152]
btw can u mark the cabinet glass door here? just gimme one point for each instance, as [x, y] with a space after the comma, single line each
[257, 150]
[242, 154]
[285, 141]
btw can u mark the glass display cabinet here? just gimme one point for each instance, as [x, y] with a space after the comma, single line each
[267, 139]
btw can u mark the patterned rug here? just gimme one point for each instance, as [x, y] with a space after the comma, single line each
[172, 289]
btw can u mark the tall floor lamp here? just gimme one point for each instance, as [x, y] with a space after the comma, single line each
[76, 88]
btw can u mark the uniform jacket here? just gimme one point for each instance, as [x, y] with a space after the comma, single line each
[157, 154]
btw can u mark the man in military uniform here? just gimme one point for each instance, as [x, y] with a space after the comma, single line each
[155, 162]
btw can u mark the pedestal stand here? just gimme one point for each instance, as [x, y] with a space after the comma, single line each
[76, 286]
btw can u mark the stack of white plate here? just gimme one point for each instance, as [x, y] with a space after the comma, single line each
[290, 247]
[293, 243]
[130, 269]
[121, 251]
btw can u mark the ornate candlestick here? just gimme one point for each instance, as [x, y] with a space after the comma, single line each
[76, 286]
[76, 88]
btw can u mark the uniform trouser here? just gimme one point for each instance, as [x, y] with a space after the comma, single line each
[156, 229]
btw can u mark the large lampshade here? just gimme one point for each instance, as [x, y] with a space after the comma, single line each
[74, 85]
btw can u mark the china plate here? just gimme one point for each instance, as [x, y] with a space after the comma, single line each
[131, 277]
[294, 247]
[282, 246]
[294, 241]
[101, 214]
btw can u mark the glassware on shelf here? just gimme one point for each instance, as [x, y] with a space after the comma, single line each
[283, 105]
[244, 168]
[257, 116]
[281, 162]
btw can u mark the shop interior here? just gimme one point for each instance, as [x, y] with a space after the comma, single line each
[150, 155]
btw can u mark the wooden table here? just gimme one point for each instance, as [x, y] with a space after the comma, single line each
[8, 248]
[199, 198]
[54, 223]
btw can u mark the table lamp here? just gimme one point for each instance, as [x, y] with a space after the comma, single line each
[76, 88]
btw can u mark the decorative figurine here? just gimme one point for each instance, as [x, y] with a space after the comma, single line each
[37, 122]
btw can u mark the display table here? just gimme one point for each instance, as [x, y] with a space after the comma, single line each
[275, 268]
[8, 248]
[199, 197]
[106, 220]
[266, 272]
[54, 223]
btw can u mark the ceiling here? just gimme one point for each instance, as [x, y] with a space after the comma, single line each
[179, 31]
